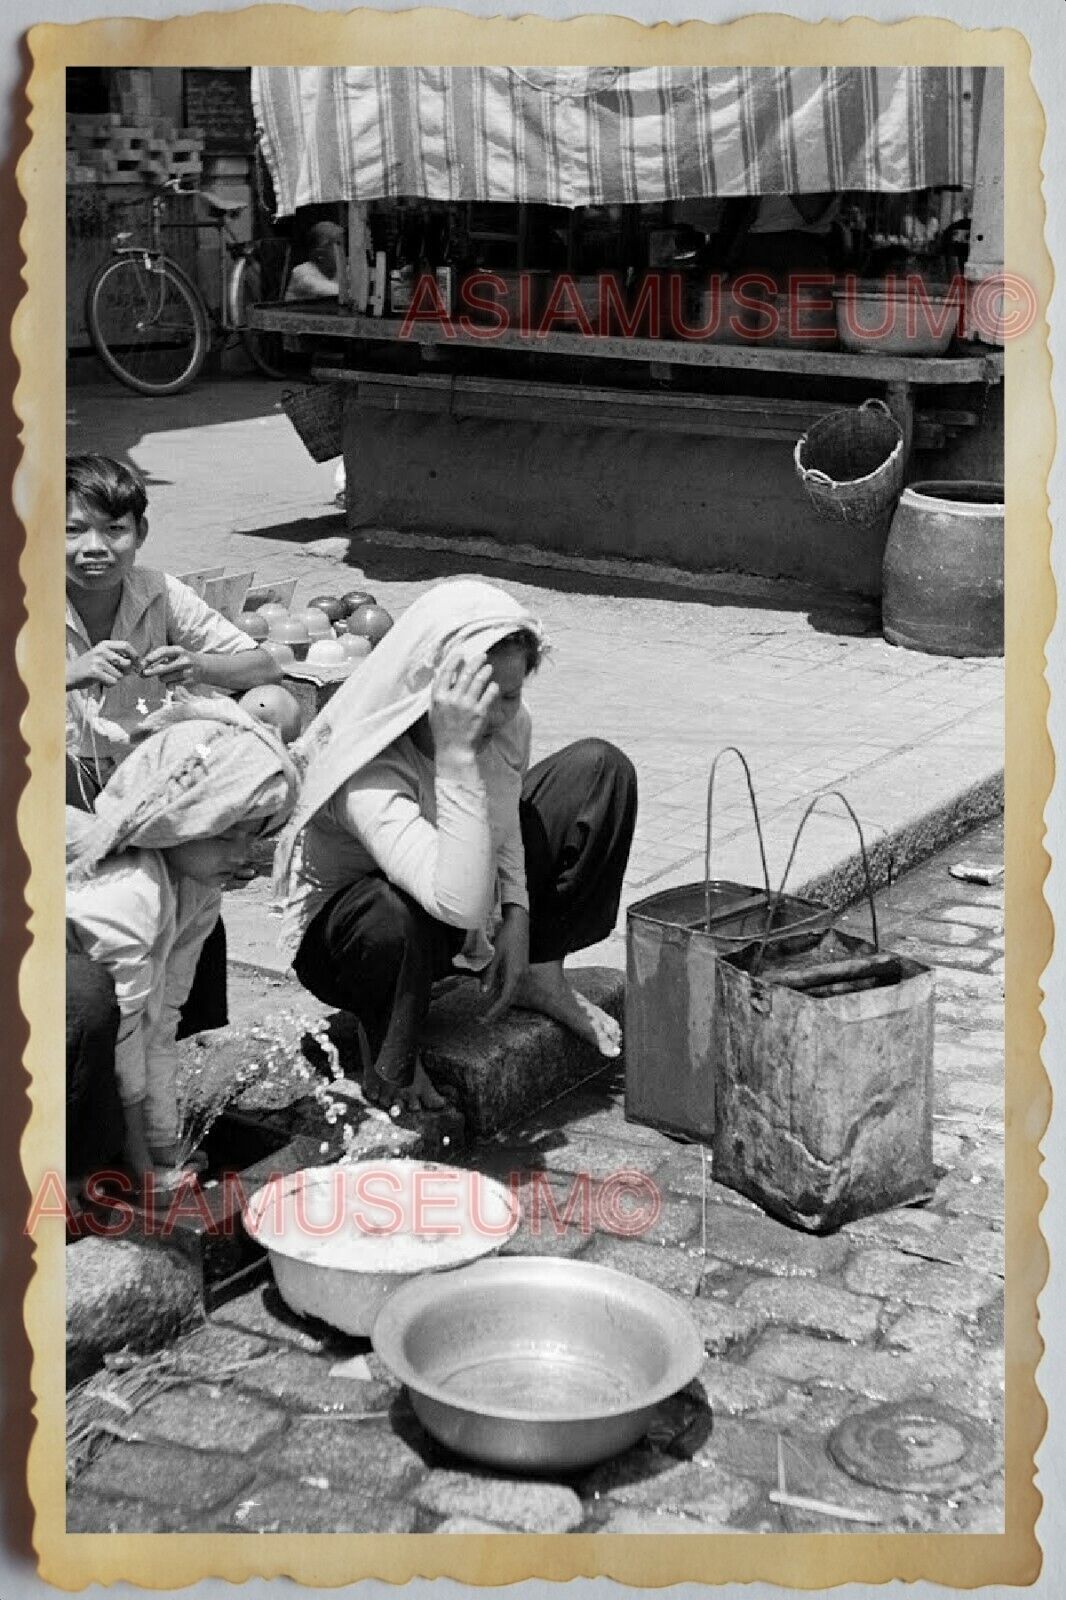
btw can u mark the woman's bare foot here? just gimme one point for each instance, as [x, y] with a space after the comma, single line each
[418, 1095]
[545, 988]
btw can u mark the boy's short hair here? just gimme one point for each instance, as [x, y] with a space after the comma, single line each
[106, 486]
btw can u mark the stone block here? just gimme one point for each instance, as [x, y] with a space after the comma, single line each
[698, 1489]
[207, 1416]
[292, 1507]
[507, 1071]
[761, 1244]
[369, 1458]
[889, 1275]
[90, 1513]
[929, 1333]
[166, 1475]
[988, 914]
[303, 1382]
[125, 1293]
[734, 1387]
[669, 1267]
[800, 1359]
[722, 1326]
[211, 1348]
[658, 1522]
[514, 1503]
[814, 1307]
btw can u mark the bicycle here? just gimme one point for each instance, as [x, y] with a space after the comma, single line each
[150, 323]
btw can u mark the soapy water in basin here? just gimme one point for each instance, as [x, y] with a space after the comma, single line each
[539, 1383]
[376, 1219]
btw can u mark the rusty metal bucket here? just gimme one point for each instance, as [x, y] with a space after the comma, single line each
[823, 1089]
[673, 941]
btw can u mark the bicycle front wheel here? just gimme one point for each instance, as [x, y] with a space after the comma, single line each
[266, 350]
[147, 323]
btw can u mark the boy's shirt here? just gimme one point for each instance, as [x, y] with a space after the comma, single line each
[155, 609]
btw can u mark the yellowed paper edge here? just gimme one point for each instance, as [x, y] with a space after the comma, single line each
[291, 35]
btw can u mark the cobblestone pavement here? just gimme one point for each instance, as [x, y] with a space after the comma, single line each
[807, 688]
[799, 1332]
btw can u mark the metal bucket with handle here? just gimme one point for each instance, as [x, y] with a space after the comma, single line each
[823, 1073]
[674, 940]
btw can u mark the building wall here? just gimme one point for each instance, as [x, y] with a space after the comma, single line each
[727, 505]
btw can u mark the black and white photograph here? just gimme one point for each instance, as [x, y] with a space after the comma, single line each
[534, 797]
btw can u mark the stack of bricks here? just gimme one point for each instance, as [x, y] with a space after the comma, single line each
[111, 147]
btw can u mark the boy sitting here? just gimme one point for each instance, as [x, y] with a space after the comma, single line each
[131, 632]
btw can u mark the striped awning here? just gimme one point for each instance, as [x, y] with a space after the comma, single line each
[598, 135]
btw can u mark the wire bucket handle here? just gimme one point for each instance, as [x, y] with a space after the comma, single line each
[775, 900]
[731, 750]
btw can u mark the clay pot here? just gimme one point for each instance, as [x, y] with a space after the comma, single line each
[943, 570]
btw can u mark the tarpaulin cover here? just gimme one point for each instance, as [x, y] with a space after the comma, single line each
[600, 135]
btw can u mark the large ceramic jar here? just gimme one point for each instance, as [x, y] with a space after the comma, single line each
[943, 570]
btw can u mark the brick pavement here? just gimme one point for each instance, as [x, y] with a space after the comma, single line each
[805, 686]
[798, 1332]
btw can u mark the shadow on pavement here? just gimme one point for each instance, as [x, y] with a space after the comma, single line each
[120, 418]
[838, 614]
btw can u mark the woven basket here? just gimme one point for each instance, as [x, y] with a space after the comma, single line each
[851, 463]
[317, 414]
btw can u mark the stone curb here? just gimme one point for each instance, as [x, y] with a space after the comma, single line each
[914, 841]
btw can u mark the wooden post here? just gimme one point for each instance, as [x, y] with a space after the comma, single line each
[899, 397]
[356, 292]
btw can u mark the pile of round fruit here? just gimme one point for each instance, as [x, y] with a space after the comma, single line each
[331, 631]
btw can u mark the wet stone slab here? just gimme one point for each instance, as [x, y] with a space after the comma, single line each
[191, 1481]
[723, 1326]
[88, 1512]
[305, 1382]
[293, 1507]
[815, 1307]
[210, 1348]
[753, 1240]
[369, 1458]
[669, 1267]
[889, 1275]
[879, 1374]
[515, 1503]
[733, 1388]
[209, 1417]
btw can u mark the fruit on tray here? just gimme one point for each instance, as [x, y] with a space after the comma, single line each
[283, 654]
[371, 621]
[332, 604]
[315, 621]
[289, 630]
[327, 653]
[356, 597]
[274, 705]
[273, 608]
[254, 624]
[356, 646]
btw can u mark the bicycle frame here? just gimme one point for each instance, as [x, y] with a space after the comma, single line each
[230, 249]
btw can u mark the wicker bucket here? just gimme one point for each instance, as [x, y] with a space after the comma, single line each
[317, 414]
[851, 463]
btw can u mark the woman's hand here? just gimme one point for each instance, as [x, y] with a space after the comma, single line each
[463, 695]
[509, 964]
[105, 664]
